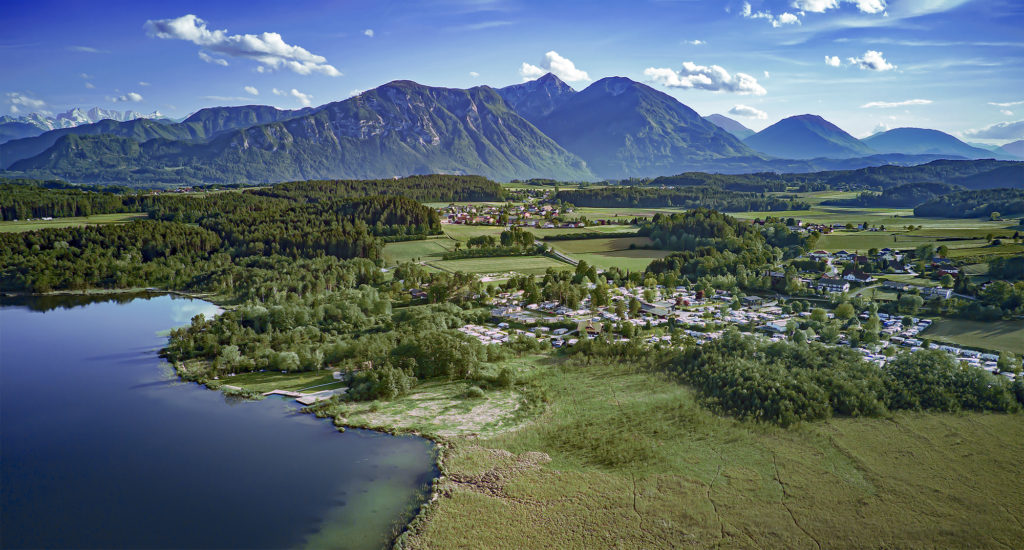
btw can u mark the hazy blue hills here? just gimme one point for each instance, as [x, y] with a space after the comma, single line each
[920, 141]
[807, 137]
[732, 126]
[1015, 149]
[622, 129]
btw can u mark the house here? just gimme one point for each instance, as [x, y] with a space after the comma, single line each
[832, 285]
[929, 292]
[589, 328]
[855, 276]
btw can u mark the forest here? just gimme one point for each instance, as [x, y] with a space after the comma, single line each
[974, 204]
[682, 197]
[902, 196]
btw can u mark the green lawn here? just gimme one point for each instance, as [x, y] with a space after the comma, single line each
[407, 251]
[990, 335]
[529, 265]
[624, 459]
[99, 219]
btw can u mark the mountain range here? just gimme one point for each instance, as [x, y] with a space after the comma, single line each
[34, 124]
[616, 128]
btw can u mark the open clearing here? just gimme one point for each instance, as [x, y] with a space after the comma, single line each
[528, 265]
[407, 251]
[990, 335]
[630, 460]
[611, 252]
[99, 219]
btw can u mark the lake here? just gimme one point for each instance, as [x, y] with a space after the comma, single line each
[101, 446]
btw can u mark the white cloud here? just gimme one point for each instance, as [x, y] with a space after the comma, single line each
[126, 98]
[888, 104]
[553, 63]
[694, 42]
[767, 75]
[85, 76]
[90, 85]
[355, 92]
[1007, 104]
[785, 18]
[712, 78]
[749, 112]
[143, 83]
[210, 59]
[86, 49]
[368, 32]
[872, 61]
[821, 6]
[879, 128]
[19, 101]
[304, 99]
[251, 90]
[999, 130]
[474, 74]
[268, 48]
[832, 61]
[1006, 112]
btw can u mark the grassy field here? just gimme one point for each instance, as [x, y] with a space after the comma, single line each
[629, 460]
[991, 335]
[274, 380]
[408, 251]
[99, 219]
[611, 252]
[529, 265]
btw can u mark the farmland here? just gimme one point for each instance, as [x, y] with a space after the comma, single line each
[529, 265]
[99, 219]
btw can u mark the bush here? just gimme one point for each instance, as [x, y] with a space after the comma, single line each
[474, 392]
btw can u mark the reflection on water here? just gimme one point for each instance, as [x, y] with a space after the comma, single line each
[101, 448]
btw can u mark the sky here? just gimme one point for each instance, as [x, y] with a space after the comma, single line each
[865, 65]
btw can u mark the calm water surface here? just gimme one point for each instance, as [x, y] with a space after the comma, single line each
[102, 447]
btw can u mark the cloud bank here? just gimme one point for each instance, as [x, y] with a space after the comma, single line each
[268, 48]
[555, 64]
[305, 99]
[713, 78]
[888, 104]
[749, 112]
[999, 130]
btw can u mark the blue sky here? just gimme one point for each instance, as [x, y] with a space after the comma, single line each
[952, 65]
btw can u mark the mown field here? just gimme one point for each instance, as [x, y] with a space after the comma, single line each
[991, 335]
[629, 460]
[528, 265]
[611, 252]
[409, 251]
[99, 219]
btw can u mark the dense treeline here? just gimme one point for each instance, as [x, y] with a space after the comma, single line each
[761, 182]
[683, 197]
[26, 199]
[1010, 269]
[715, 245]
[429, 188]
[973, 204]
[786, 382]
[901, 196]
[141, 253]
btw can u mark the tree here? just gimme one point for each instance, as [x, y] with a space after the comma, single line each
[994, 216]
[819, 315]
[947, 281]
[845, 311]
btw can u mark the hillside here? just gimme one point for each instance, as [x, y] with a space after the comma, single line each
[622, 128]
[1015, 148]
[807, 137]
[734, 127]
[536, 99]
